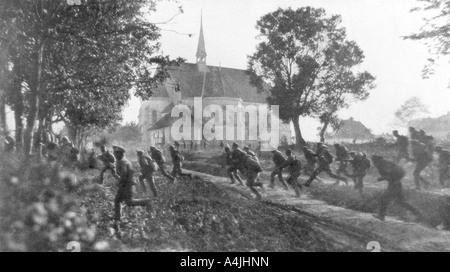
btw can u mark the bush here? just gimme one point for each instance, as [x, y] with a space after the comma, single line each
[39, 209]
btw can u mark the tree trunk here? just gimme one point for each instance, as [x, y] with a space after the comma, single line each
[322, 132]
[35, 90]
[18, 112]
[300, 142]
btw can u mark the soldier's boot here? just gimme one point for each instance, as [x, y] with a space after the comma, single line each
[256, 192]
[153, 188]
[142, 183]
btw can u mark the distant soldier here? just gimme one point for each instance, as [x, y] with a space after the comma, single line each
[177, 145]
[148, 167]
[430, 144]
[311, 160]
[52, 152]
[443, 164]
[295, 169]
[65, 150]
[422, 136]
[74, 157]
[422, 159]
[222, 145]
[251, 167]
[184, 145]
[92, 159]
[342, 157]
[177, 160]
[360, 165]
[158, 157]
[325, 160]
[9, 144]
[258, 148]
[192, 145]
[279, 160]
[124, 174]
[402, 147]
[232, 169]
[414, 134]
[108, 161]
[392, 173]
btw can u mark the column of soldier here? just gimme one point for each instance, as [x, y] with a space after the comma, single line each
[246, 162]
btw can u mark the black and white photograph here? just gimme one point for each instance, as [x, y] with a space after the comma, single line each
[224, 126]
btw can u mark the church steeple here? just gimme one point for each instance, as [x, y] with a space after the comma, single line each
[201, 50]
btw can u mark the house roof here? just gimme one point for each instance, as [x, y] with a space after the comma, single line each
[219, 82]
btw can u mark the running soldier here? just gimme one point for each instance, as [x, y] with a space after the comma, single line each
[279, 160]
[108, 161]
[361, 165]
[158, 157]
[295, 170]
[232, 169]
[422, 159]
[177, 160]
[443, 164]
[325, 160]
[252, 168]
[393, 174]
[124, 174]
[414, 134]
[148, 167]
[402, 147]
[342, 157]
[311, 160]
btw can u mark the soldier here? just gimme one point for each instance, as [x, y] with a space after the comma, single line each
[422, 159]
[9, 144]
[158, 157]
[361, 165]
[232, 169]
[65, 150]
[177, 159]
[295, 169]
[251, 153]
[422, 136]
[192, 145]
[258, 148]
[414, 134]
[177, 145]
[74, 156]
[325, 160]
[108, 161]
[52, 152]
[148, 167]
[205, 144]
[252, 168]
[184, 145]
[311, 160]
[222, 145]
[443, 164]
[342, 157]
[124, 174]
[393, 174]
[279, 160]
[402, 147]
[92, 159]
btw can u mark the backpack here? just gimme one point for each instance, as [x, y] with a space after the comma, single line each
[253, 164]
[148, 163]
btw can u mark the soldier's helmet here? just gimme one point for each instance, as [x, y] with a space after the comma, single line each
[337, 145]
[395, 132]
[227, 148]
[235, 145]
[359, 156]
[246, 147]
[352, 154]
[102, 148]
[118, 149]
[171, 147]
[412, 129]
[139, 152]
[438, 148]
[152, 148]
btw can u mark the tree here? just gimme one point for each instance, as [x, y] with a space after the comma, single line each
[305, 58]
[79, 61]
[127, 133]
[435, 32]
[411, 109]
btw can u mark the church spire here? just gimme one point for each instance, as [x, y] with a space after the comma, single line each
[201, 50]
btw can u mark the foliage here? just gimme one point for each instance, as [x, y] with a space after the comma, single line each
[308, 61]
[434, 32]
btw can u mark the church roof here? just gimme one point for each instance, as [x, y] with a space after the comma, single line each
[219, 82]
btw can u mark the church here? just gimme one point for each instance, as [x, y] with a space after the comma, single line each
[215, 85]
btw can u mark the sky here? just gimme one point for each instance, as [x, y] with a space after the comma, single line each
[376, 25]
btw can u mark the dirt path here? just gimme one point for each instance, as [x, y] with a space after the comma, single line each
[348, 226]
